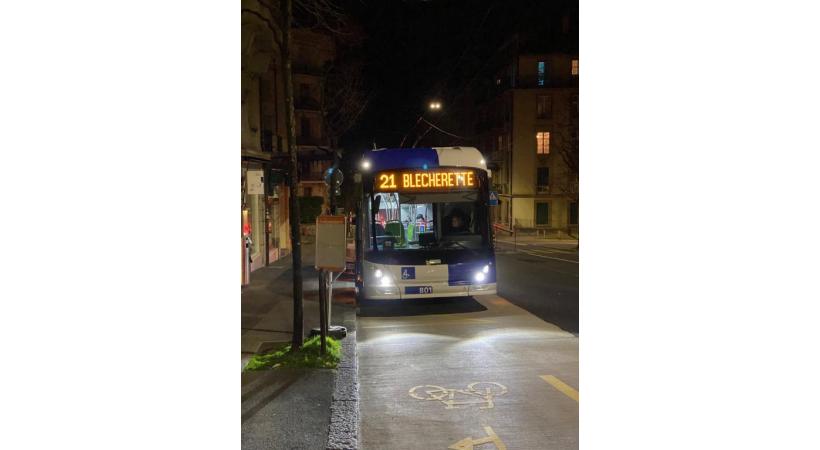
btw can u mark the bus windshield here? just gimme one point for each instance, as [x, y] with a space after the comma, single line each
[414, 221]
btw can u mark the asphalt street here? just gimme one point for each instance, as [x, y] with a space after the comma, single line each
[465, 373]
[541, 277]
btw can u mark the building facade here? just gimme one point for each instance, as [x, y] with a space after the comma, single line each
[527, 125]
[312, 53]
[265, 229]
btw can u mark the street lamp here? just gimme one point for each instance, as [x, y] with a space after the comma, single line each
[435, 106]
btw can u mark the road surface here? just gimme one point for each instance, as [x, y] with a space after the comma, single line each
[541, 277]
[459, 373]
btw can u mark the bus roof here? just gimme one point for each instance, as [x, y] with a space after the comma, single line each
[424, 157]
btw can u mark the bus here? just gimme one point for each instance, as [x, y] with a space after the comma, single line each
[423, 225]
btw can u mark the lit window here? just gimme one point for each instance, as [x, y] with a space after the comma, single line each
[543, 106]
[543, 142]
[575, 67]
[542, 72]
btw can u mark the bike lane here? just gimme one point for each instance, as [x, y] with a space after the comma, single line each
[494, 377]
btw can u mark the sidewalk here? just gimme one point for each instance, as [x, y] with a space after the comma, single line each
[293, 408]
[267, 304]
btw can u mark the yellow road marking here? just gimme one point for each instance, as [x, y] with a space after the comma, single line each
[469, 443]
[561, 386]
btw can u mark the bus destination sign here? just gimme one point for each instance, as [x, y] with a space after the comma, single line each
[427, 180]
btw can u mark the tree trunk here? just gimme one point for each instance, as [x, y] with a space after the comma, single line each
[293, 177]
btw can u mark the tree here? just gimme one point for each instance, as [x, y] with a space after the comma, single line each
[568, 145]
[312, 13]
[568, 126]
[344, 98]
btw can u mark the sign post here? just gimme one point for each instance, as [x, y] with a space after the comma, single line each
[331, 252]
[493, 199]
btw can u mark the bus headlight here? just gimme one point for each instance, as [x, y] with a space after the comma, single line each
[486, 269]
[378, 274]
[386, 282]
[479, 276]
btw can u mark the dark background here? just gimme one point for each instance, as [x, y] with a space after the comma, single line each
[415, 51]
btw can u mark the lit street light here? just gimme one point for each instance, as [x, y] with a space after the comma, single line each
[435, 106]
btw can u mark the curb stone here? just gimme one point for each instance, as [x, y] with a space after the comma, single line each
[343, 430]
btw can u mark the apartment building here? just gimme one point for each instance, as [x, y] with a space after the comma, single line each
[526, 122]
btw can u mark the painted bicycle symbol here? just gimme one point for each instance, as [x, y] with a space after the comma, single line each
[477, 393]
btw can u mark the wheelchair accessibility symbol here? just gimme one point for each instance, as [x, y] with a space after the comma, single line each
[408, 273]
[479, 393]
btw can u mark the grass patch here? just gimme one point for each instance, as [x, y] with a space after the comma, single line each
[307, 357]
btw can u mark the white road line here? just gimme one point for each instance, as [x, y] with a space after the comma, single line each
[533, 253]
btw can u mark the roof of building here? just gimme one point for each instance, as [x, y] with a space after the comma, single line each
[424, 157]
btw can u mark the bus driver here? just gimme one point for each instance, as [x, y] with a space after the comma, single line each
[457, 222]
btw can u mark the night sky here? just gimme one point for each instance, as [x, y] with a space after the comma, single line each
[417, 50]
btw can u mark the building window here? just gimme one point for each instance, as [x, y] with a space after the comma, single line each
[573, 213]
[542, 214]
[575, 67]
[304, 127]
[543, 106]
[304, 90]
[542, 73]
[543, 179]
[543, 142]
[574, 105]
[307, 192]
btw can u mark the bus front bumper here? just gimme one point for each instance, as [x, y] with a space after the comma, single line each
[431, 290]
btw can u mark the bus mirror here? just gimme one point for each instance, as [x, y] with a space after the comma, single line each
[377, 200]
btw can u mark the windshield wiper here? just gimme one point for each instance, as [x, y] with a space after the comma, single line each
[472, 251]
[450, 243]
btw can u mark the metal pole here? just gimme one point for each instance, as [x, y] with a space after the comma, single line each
[266, 191]
[329, 296]
[322, 312]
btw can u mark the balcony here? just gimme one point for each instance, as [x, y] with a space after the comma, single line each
[531, 82]
[306, 103]
[271, 143]
[311, 176]
[312, 141]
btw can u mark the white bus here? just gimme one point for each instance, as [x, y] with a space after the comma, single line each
[423, 227]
